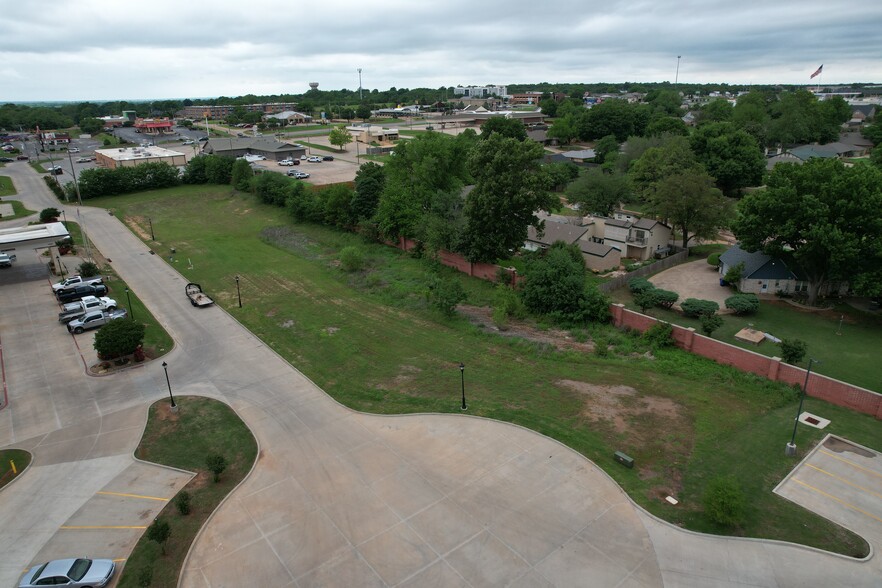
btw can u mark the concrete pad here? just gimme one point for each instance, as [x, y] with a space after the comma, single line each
[406, 492]
[694, 279]
[229, 530]
[374, 461]
[359, 514]
[444, 525]
[346, 570]
[278, 505]
[578, 564]
[437, 575]
[263, 569]
[397, 554]
[531, 579]
[307, 543]
[486, 561]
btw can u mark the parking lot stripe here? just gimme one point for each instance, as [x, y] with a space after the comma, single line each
[839, 500]
[133, 496]
[81, 527]
[851, 463]
[843, 480]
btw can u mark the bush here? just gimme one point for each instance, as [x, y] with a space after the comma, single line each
[216, 464]
[637, 285]
[645, 299]
[444, 295]
[87, 269]
[693, 307]
[710, 323]
[665, 298]
[714, 259]
[735, 273]
[507, 303]
[793, 350]
[49, 215]
[182, 501]
[159, 531]
[117, 338]
[351, 259]
[743, 304]
[724, 502]
[659, 335]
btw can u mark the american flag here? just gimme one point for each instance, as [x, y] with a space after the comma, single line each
[817, 72]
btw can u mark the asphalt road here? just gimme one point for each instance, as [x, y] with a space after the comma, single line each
[337, 497]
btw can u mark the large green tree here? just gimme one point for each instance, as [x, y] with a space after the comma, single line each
[369, 182]
[510, 188]
[339, 137]
[828, 217]
[690, 202]
[730, 155]
[507, 127]
[598, 192]
[672, 157]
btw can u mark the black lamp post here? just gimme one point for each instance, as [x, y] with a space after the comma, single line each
[165, 367]
[152, 236]
[462, 382]
[129, 300]
[60, 267]
[791, 447]
[238, 292]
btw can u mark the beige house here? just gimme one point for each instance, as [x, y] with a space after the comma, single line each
[372, 134]
[597, 256]
[635, 238]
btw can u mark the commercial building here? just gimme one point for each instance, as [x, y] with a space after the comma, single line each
[240, 146]
[221, 111]
[154, 126]
[132, 156]
[480, 91]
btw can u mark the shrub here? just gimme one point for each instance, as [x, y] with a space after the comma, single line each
[508, 304]
[735, 273]
[743, 303]
[444, 295]
[182, 501]
[87, 269]
[117, 338]
[694, 307]
[145, 574]
[793, 350]
[665, 298]
[351, 259]
[216, 464]
[645, 299]
[724, 502]
[710, 323]
[159, 531]
[714, 259]
[637, 285]
[48, 215]
[659, 335]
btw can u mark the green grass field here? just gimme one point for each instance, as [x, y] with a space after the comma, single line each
[19, 458]
[7, 188]
[370, 341]
[201, 427]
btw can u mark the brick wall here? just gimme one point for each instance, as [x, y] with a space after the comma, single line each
[819, 386]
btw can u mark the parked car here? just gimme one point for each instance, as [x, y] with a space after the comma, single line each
[315, 159]
[203, 138]
[298, 174]
[328, 158]
[94, 319]
[72, 281]
[84, 159]
[79, 292]
[6, 260]
[303, 157]
[73, 573]
[286, 162]
[22, 158]
[6, 159]
[73, 150]
[74, 310]
[56, 171]
[189, 142]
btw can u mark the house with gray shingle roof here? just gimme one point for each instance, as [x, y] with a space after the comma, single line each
[764, 274]
[597, 256]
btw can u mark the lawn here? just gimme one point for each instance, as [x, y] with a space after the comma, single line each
[846, 350]
[6, 186]
[200, 428]
[9, 457]
[319, 147]
[369, 339]
[18, 210]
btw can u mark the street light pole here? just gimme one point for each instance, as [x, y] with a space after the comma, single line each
[152, 236]
[677, 75]
[462, 382]
[168, 383]
[791, 447]
[129, 300]
[238, 292]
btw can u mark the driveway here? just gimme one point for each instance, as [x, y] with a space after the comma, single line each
[695, 279]
[342, 498]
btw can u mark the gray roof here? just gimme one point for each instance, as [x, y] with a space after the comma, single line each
[596, 249]
[646, 224]
[556, 232]
[254, 143]
[825, 151]
[757, 265]
[581, 154]
[855, 139]
[866, 109]
[614, 222]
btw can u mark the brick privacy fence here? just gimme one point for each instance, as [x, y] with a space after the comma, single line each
[663, 264]
[484, 271]
[833, 391]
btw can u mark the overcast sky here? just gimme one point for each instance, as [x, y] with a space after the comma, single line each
[119, 49]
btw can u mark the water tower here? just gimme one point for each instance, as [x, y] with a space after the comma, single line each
[313, 85]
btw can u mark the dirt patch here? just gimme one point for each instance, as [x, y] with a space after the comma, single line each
[164, 412]
[559, 339]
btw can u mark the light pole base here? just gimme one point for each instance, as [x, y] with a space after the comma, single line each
[790, 450]
[463, 408]
[174, 408]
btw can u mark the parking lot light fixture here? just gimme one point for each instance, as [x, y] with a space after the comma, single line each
[168, 383]
[462, 383]
[791, 447]
[129, 301]
[238, 292]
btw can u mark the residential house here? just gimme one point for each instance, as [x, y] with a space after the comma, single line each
[597, 256]
[639, 238]
[581, 156]
[764, 274]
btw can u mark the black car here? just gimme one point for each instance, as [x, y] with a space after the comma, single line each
[78, 292]
[328, 158]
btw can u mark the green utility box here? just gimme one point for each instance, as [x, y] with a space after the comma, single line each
[625, 460]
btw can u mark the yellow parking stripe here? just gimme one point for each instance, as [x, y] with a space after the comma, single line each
[852, 464]
[839, 500]
[79, 527]
[133, 496]
[844, 481]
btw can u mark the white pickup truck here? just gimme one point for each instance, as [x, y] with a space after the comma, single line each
[73, 310]
[95, 319]
[6, 260]
[76, 281]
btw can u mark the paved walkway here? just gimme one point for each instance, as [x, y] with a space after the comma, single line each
[341, 498]
[695, 279]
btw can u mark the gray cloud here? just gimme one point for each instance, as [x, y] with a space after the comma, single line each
[95, 50]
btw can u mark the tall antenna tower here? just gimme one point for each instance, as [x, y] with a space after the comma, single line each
[359, 84]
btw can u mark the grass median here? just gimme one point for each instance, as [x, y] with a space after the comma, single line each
[201, 427]
[369, 339]
[12, 463]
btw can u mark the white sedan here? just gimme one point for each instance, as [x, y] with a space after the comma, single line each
[315, 159]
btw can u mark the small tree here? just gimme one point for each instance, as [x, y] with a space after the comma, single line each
[724, 502]
[182, 501]
[444, 295]
[216, 464]
[637, 285]
[646, 299]
[713, 259]
[743, 304]
[159, 531]
[118, 338]
[659, 335]
[87, 269]
[351, 259]
[49, 215]
[793, 350]
[665, 298]
[710, 323]
[340, 137]
[734, 274]
[694, 307]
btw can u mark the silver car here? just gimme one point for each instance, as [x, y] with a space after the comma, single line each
[73, 573]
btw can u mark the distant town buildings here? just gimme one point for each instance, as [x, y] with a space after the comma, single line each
[480, 91]
[220, 111]
[132, 156]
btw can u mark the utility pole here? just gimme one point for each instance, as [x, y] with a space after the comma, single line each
[677, 75]
[359, 85]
